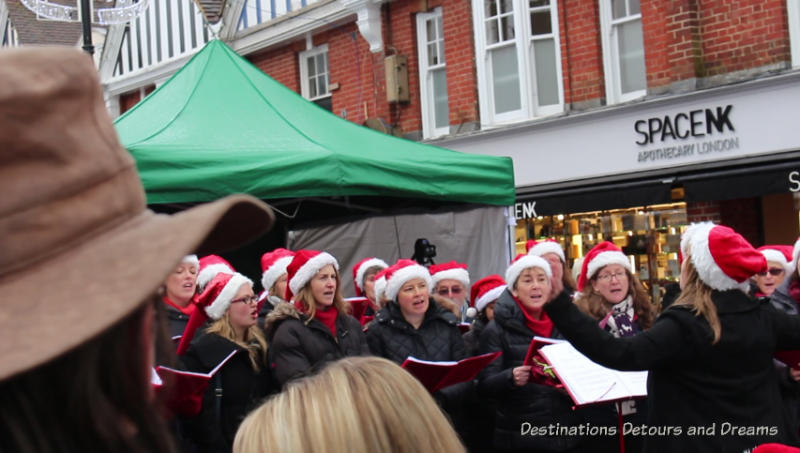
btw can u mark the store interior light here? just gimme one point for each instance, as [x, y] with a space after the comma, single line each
[589, 236]
[630, 233]
[560, 217]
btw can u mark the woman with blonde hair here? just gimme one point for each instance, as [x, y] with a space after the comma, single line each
[709, 355]
[316, 327]
[229, 301]
[356, 404]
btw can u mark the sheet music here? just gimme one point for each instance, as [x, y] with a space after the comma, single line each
[589, 382]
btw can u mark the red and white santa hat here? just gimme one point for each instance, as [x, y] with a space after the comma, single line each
[541, 248]
[303, 266]
[212, 303]
[782, 254]
[483, 292]
[450, 270]
[600, 256]
[273, 265]
[361, 268]
[522, 262]
[796, 253]
[191, 259]
[401, 272]
[380, 284]
[210, 266]
[722, 257]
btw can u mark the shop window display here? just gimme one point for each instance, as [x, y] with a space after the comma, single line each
[648, 235]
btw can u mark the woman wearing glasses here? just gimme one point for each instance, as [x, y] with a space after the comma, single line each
[779, 266]
[451, 282]
[610, 293]
[315, 327]
[230, 303]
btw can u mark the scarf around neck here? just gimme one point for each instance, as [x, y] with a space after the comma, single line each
[542, 327]
[187, 310]
[327, 317]
[620, 320]
[794, 291]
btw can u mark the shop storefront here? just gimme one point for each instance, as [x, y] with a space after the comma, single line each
[638, 174]
[648, 235]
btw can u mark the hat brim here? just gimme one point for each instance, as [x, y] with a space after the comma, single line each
[74, 296]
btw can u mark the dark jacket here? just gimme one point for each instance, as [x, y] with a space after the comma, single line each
[176, 321]
[438, 339]
[473, 335]
[538, 405]
[692, 383]
[790, 389]
[299, 346]
[242, 390]
[782, 300]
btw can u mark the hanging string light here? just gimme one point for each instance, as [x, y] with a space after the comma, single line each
[123, 12]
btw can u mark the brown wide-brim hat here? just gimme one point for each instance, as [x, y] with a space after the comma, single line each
[79, 250]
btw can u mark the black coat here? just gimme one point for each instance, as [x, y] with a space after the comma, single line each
[299, 347]
[242, 390]
[176, 321]
[692, 383]
[473, 335]
[539, 405]
[438, 339]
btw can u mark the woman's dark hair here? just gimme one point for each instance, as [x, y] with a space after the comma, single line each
[96, 397]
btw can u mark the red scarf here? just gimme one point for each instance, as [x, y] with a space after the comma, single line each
[187, 310]
[794, 291]
[542, 327]
[327, 317]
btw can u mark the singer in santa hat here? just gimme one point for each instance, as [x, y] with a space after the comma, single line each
[273, 281]
[709, 355]
[786, 299]
[553, 253]
[610, 293]
[520, 395]
[780, 265]
[229, 303]
[177, 292]
[315, 327]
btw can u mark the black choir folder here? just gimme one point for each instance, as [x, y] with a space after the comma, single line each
[590, 383]
[437, 375]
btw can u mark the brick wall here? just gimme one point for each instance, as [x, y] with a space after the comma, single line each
[743, 34]
[581, 51]
[744, 216]
[281, 64]
[702, 211]
[684, 40]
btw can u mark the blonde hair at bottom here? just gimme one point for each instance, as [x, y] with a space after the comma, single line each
[357, 404]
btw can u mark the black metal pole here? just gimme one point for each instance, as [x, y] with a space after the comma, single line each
[86, 20]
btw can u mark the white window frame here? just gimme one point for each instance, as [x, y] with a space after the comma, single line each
[305, 89]
[793, 13]
[613, 83]
[523, 43]
[427, 100]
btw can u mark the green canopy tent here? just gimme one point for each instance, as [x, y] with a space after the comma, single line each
[221, 126]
